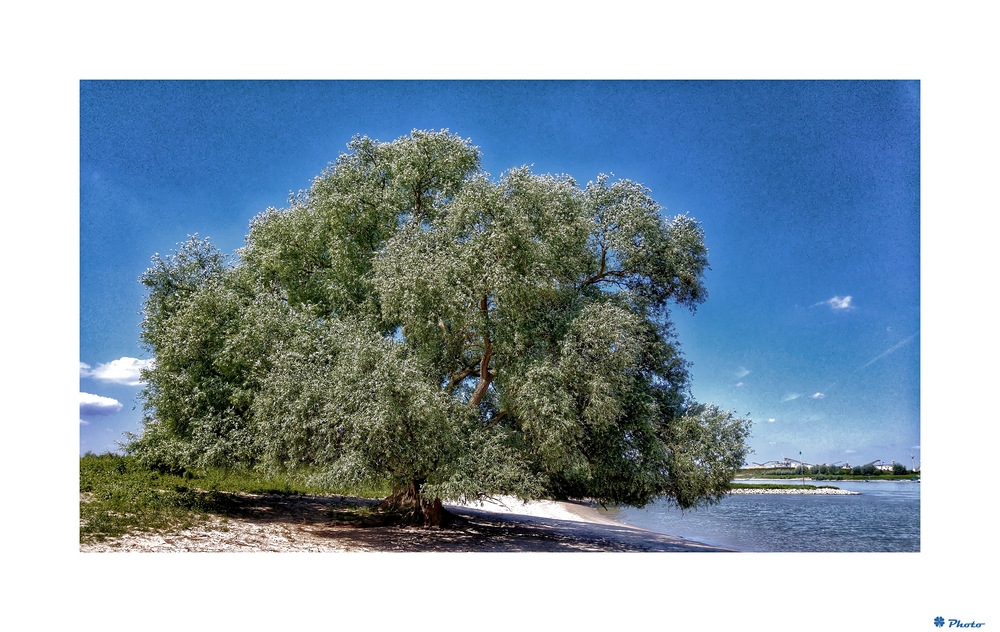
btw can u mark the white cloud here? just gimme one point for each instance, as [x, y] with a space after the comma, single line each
[97, 405]
[121, 371]
[850, 451]
[84, 423]
[771, 420]
[790, 396]
[742, 372]
[837, 303]
[817, 396]
[739, 384]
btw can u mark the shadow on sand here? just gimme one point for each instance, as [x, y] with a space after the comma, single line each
[357, 524]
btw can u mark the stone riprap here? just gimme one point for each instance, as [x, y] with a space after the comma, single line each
[822, 491]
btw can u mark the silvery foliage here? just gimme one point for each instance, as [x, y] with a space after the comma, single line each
[411, 319]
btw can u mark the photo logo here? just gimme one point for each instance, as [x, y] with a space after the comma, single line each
[955, 623]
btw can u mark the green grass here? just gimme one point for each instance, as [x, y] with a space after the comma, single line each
[119, 496]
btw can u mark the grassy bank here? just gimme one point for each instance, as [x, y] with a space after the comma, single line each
[118, 496]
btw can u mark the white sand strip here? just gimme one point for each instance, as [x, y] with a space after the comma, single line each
[555, 509]
[589, 522]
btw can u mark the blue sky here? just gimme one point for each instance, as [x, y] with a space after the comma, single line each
[809, 194]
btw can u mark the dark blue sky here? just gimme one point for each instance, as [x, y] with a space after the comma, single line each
[809, 193]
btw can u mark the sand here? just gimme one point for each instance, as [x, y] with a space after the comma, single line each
[303, 523]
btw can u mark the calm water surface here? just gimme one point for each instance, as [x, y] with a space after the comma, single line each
[885, 517]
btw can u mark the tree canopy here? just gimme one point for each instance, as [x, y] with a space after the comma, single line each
[409, 318]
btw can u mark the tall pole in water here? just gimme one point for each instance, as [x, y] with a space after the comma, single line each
[802, 468]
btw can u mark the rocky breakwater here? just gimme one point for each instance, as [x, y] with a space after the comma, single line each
[823, 491]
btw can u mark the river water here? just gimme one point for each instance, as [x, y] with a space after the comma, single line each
[885, 517]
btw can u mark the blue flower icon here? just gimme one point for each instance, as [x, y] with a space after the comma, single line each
[939, 622]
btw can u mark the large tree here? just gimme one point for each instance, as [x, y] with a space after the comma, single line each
[408, 318]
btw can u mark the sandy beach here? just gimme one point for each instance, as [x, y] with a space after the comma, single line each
[304, 524]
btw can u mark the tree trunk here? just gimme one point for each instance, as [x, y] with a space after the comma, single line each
[415, 509]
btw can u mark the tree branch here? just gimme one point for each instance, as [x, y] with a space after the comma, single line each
[604, 274]
[456, 378]
[485, 377]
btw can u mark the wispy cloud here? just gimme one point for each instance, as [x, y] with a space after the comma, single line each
[817, 396]
[850, 451]
[96, 405]
[771, 420]
[790, 396]
[888, 351]
[121, 371]
[837, 303]
[84, 423]
[742, 372]
[740, 384]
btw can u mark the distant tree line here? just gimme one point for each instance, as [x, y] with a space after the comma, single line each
[824, 470]
[868, 469]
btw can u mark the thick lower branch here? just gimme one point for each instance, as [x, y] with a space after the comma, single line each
[480, 392]
[485, 377]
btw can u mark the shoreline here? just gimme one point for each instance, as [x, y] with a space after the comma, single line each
[579, 519]
[275, 523]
